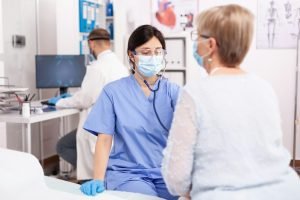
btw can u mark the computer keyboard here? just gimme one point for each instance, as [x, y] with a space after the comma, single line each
[49, 109]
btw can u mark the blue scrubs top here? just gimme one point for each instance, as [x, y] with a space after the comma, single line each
[123, 110]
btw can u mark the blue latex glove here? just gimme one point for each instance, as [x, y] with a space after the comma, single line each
[54, 100]
[65, 95]
[92, 187]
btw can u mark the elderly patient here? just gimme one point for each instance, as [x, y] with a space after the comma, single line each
[226, 137]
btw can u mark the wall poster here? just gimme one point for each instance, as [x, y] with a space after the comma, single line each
[173, 15]
[278, 24]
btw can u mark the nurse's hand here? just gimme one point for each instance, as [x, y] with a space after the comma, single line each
[92, 187]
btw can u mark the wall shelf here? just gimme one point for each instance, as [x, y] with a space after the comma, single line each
[176, 59]
[109, 18]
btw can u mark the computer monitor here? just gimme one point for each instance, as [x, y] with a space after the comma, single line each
[59, 71]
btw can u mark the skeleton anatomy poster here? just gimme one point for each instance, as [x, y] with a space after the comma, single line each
[278, 23]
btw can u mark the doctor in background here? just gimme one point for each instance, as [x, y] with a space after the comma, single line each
[78, 147]
[226, 137]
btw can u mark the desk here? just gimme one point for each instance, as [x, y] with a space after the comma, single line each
[15, 117]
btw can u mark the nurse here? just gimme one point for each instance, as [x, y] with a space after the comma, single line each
[136, 112]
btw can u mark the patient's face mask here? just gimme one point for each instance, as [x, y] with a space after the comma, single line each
[197, 57]
[150, 65]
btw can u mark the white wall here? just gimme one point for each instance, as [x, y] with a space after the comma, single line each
[19, 62]
[67, 25]
[46, 27]
[3, 138]
[1, 30]
[128, 16]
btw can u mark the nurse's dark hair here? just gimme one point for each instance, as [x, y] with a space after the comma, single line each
[140, 36]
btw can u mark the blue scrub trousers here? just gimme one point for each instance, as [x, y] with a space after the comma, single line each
[153, 187]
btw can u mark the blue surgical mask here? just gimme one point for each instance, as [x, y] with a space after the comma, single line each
[197, 57]
[92, 57]
[150, 65]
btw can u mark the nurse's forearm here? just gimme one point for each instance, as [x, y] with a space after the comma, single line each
[102, 152]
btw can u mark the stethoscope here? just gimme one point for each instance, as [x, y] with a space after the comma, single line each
[154, 92]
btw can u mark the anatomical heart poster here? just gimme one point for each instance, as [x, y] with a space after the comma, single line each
[174, 15]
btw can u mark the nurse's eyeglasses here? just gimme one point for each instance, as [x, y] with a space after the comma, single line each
[148, 52]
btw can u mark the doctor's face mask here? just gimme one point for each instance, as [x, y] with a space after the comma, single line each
[150, 65]
[92, 55]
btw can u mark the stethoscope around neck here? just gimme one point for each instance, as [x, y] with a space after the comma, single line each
[152, 89]
[160, 76]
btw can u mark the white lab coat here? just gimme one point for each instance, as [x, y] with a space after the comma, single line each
[105, 69]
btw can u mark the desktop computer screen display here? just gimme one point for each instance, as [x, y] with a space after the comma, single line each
[59, 71]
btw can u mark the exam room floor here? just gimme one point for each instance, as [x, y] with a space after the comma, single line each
[51, 168]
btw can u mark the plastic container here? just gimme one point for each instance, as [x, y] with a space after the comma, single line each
[26, 109]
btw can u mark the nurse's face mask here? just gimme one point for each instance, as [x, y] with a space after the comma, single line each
[150, 64]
